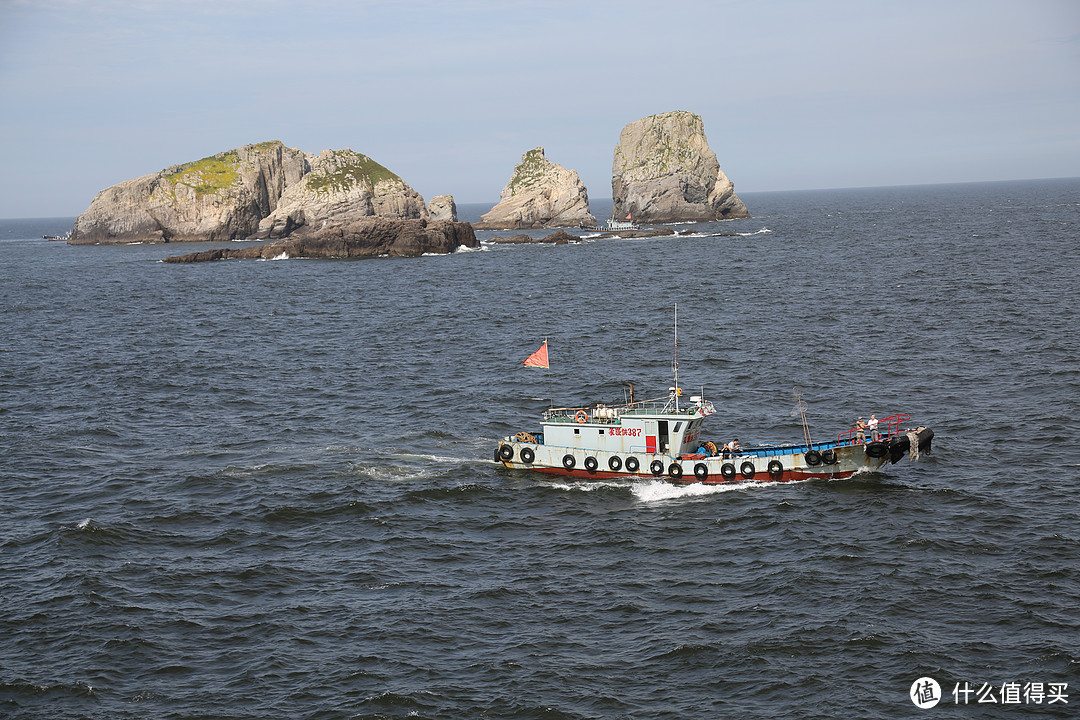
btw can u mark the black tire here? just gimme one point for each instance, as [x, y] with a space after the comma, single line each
[497, 458]
[632, 464]
[674, 471]
[568, 462]
[506, 452]
[701, 471]
[776, 469]
[591, 464]
[727, 470]
[527, 455]
[614, 463]
[656, 468]
[828, 457]
[877, 449]
[747, 470]
[813, 458]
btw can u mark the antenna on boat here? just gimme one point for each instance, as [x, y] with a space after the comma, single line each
[801, 407]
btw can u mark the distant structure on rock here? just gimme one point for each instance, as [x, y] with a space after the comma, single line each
[540, 194]
[442, 207]
[664, 171]
[263, 190]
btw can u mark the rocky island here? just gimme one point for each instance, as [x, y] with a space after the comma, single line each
[540, 194]
[220, 197]
[664, 171]
[327, 205]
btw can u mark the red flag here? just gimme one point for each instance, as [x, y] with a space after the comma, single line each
[538, 358]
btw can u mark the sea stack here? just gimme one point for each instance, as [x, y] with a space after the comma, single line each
[540, 194]
[442, 207]
[342, 186]
[664, 171]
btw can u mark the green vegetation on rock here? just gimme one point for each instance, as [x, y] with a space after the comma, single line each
[211, 174]
[531, 170]
[352, 169]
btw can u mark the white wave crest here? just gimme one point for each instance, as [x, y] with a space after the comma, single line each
[659, 490]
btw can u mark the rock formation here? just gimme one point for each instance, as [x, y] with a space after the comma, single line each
[559, 237]
[363, 237]
[664, 171]
[540, 194]
[442, 207]
[220, 197]
[342, 186]
[263, 190]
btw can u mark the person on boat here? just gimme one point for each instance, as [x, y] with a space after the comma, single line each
[732, 448]
[860, 431]
[872, 425]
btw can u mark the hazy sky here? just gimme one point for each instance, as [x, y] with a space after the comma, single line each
[449, 94]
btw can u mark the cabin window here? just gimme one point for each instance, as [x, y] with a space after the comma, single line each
[677, 426]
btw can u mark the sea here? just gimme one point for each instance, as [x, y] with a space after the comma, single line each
[266, 489]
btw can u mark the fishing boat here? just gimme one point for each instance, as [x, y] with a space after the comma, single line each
[614, 225]
[666, 438]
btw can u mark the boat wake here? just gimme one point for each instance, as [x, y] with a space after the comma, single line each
[660, 490]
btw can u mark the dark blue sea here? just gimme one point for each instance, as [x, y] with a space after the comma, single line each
[247, 490]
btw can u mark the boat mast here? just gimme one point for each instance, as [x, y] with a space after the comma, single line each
[675, 363]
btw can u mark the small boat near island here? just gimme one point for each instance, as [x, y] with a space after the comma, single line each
[665, 438]
[614, 225]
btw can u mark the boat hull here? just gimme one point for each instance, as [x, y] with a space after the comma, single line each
[764, 464]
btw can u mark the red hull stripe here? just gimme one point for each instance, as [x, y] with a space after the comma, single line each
[687, 479]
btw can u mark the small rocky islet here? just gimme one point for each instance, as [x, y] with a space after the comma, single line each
[343, 204]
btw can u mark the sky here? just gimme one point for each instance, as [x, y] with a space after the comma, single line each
[794, 94]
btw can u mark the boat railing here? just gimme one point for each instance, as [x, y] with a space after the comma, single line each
[887, 427]
[613, 413]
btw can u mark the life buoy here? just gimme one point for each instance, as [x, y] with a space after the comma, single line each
[727, 470]
[675, 470]
[828, 457]
[776, 469]
[656, 467]
[591, 464]
[813, 458]
[527, 455]
[506, 452]
[581, 416]
[701, 471]
[614, 463]
[632, 464]
[747, 469]
[877, 449]
[568, 461]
